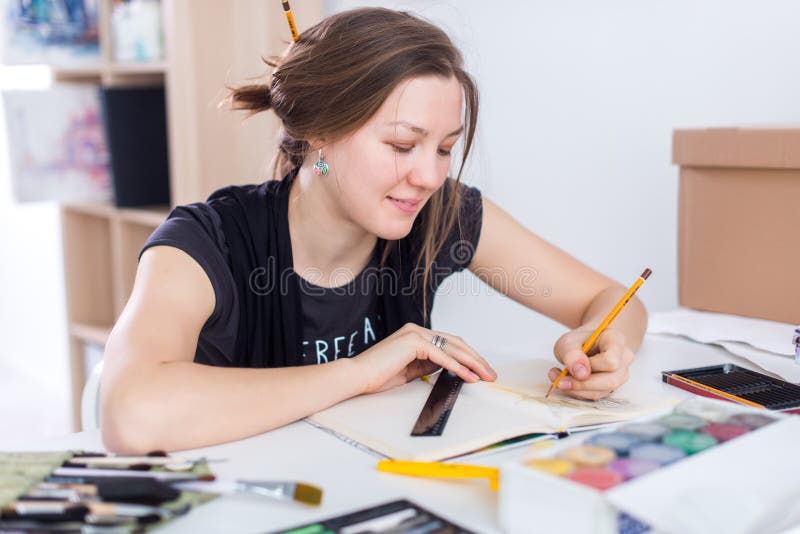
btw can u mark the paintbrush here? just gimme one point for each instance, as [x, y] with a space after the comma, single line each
[68, 510]
[107, 489]
[168, 462]
[100, 509]
[290, 491]
[90, 473]
[50, 511]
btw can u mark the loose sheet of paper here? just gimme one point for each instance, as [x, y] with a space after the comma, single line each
[765, 343]
[783, 367]
[708, 327]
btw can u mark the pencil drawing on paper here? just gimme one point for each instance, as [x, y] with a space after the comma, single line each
[536, 393]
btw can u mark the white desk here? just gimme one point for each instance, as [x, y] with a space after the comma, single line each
[348, 476]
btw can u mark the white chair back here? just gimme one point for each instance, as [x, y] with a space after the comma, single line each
[90, 399]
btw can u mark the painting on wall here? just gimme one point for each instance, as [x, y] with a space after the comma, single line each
[57, 144]
[54, 32]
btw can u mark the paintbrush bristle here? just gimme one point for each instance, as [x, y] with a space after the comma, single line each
[307, 494]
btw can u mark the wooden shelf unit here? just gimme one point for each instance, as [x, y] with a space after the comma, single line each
[111, 74]
[208, 45]
[90, 333]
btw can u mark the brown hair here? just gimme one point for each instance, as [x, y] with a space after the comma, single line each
[337, 75]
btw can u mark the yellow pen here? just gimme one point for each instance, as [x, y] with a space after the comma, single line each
[589, 343]
[290, 19]
[716, 391]
[438, 469]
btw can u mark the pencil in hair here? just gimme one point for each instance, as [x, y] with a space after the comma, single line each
[290, 20]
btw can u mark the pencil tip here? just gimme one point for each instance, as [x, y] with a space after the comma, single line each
[549, 391]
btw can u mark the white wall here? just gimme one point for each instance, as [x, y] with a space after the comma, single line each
[579, 99]
[34, 378]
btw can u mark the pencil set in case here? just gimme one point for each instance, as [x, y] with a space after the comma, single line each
[70, 490]
[737, 384]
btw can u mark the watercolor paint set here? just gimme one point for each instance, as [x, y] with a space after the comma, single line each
[660, 473]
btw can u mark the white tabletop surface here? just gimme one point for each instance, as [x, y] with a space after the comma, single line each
[348, 475]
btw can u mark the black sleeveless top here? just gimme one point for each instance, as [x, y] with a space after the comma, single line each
[240, 237]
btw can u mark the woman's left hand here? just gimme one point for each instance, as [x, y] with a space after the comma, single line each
[596, 377]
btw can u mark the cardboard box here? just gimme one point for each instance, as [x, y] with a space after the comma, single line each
[739, 221]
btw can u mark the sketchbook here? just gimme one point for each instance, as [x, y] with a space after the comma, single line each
[485, 414]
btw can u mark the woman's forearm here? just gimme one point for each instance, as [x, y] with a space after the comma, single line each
[631, 321]
[182, 405]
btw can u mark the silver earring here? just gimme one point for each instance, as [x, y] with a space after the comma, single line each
[320, 167]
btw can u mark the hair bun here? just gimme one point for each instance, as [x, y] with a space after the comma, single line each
[253, 98]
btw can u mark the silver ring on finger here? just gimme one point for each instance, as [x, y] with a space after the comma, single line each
[439, 341]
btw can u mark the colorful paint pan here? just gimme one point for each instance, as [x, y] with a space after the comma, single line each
[646, 431]
[724, 431]
[589, 456]
[750, 420]
[689, 442]
[632, 467]
[654, 452]
[554, 466]
[682, 421]
[619, 442]
[601, 479]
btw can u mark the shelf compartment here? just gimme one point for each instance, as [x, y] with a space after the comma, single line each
[132, 68]
[86, 241]
[150, 217]
[130, 237]
[95, 209]
[91, 333]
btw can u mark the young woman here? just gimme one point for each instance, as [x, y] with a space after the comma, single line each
[268, 303]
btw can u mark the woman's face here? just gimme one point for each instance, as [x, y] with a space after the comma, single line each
[382, 174]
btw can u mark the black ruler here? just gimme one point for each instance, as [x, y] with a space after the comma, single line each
[434, 414]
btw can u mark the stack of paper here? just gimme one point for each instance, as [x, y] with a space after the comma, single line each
[765, 343]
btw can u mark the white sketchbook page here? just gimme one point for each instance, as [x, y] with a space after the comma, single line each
[383, 422]
[524, 384]
[708, 327]
[482, 415]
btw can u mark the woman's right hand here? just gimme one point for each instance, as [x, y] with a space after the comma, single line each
[409, 353]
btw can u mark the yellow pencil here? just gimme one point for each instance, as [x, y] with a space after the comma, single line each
[290, 20]
[716, 391]
[589, 343]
